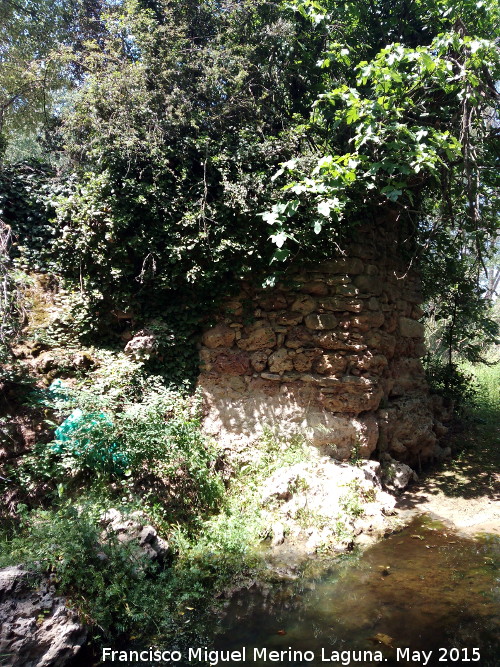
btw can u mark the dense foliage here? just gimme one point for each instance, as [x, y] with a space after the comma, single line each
[152, 154]
[414, 125]
[140, 451]
[202, 141]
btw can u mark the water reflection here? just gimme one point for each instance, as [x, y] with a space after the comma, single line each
[423, 596]
[424, 589]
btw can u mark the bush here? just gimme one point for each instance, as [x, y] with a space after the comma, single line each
[101, 576]
[453, 383]
[152, 449]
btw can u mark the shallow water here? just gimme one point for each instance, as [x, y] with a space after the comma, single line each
[423, 588]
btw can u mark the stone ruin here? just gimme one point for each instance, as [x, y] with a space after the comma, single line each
[332, 354]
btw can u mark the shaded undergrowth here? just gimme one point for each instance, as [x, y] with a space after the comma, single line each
[474, 470]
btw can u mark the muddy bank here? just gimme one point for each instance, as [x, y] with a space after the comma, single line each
[468, 516]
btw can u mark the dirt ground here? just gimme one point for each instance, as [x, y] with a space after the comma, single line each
[463, 493]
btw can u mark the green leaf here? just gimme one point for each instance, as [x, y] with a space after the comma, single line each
[281, 254]
[352, 115]
[279, 238]
[270, 217]
[324, 208]
[291, 207]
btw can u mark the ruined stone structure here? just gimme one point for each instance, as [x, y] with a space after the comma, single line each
[332, 354]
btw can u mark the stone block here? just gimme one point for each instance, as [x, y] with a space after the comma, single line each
[391, 292]
[369, 284]
[401, 305]
[417, 312]
[351, 395]
[350, 266]
[280, 361]
[304, 305]
[411, 328]
[315, 287]
[331, 364]
[233, 308]
[380, 341]
[420, 350]
[231, 362]
[286, 318]
[374, 364]
[338, 303]
[258, 336]
[346, 290]
[218, 336]
[299, 337]
[303, 361]
[258, 361]
[272, 301]
[275, 377]
[367, 321]
[321, 321]
[391, 322]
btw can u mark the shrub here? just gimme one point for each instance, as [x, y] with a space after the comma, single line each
[152, 449]
[101, 576]
[452, 382]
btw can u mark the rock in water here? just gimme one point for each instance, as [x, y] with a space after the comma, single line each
[36, 627]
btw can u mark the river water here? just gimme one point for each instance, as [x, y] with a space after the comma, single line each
[423, 589]
[422, 596]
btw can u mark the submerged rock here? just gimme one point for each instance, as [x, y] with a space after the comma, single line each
[36, 627]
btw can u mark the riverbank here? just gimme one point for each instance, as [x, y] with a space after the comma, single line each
[283, 511]
[464, 493]
[422, 589]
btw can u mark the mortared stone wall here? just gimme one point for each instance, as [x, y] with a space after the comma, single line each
[333, 354]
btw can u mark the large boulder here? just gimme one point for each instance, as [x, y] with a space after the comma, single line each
[397, 476]
[142, 346]
[324, 505]
[36, 627]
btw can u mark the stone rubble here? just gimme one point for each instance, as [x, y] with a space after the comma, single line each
[322, 505]
[134, 530]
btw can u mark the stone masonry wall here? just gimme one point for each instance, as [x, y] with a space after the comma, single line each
[333, 354]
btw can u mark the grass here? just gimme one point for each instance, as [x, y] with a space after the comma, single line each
[488, 380]
[473, 472]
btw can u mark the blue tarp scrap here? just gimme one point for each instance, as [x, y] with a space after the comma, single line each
[58, 390]
[76, 436]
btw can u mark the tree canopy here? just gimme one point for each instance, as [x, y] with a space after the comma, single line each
[205, 139]
[33, 70]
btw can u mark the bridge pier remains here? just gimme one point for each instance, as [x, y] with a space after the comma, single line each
[332, 353]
